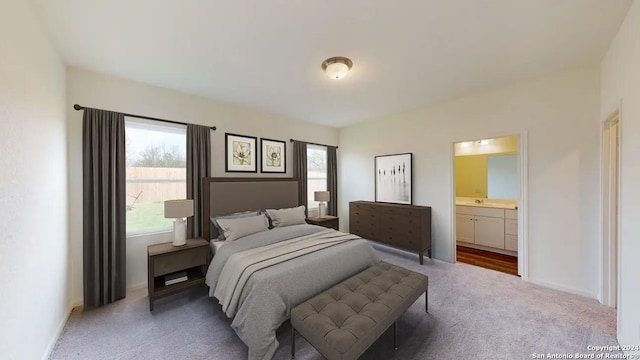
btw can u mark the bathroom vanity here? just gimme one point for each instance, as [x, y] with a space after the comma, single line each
[488, 226]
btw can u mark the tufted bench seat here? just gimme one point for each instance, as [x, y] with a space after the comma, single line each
[342, 322]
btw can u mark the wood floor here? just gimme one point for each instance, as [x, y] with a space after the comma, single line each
[489, 260]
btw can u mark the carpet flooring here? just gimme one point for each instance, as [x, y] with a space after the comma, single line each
[474, 313]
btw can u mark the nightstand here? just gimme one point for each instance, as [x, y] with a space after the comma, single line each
[165, 259]
[327, 221]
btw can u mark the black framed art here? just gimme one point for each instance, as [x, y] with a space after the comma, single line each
[240, 153]
[393, 175]
[273, 155]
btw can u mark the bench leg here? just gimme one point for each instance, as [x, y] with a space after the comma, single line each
[395, 335]
[426, 301]
[293, 343]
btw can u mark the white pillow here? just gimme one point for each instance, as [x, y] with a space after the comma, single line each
[286, 217]
[240, 227]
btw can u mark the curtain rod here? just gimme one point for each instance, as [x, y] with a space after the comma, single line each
[310, 143]
[78, 108]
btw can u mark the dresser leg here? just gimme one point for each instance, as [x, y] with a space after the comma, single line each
[429, 253]
[426, 301]
[293, 342]
[421, 256]
[395, 335]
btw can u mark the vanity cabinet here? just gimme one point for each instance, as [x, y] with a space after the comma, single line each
[489, 231]
[511, 230]
[488, 227]
[465, 228]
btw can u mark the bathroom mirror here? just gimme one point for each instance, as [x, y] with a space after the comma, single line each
[502, 177]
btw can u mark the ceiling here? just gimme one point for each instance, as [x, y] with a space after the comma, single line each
[266, 54]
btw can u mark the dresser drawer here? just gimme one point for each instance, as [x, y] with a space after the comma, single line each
[364, 222]
[397, 220]
[403, 230]
[411, 242]
[366, 233]
[362, 207]
[400, 212]
[164, 264]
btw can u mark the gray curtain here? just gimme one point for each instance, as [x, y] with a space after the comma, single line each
[300, 170]
[332, 180]
[198, 167]
[104, 211]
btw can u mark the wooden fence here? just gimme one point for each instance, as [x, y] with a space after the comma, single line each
[155, 184]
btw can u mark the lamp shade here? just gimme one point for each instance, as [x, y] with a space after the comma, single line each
[177, 209]
[321, 196]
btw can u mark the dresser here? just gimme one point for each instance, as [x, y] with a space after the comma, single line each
[403, 226]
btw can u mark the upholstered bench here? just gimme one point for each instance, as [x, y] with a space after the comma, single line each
[342, 322]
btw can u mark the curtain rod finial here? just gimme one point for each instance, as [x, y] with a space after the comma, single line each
[77, 107]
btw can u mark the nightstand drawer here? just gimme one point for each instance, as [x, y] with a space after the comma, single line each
[169, 263]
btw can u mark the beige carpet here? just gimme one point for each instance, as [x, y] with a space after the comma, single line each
[474, 314]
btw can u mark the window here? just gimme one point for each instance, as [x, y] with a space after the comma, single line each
[316, 173]
[156, 171]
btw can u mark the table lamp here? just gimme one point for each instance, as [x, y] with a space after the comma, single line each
[322, 197]
[178, 210]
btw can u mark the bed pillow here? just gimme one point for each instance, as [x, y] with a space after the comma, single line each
[234, 229]
[287, 217]
[214, 220]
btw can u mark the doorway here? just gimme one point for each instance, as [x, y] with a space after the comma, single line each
[610, 208]
[488, 195]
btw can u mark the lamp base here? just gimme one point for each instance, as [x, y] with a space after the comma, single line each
[179, 232]
[322, 209]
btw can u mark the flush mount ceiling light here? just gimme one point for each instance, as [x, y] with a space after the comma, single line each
[337, 67]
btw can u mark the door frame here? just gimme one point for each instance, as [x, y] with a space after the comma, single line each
[523, 201]
[610, 260]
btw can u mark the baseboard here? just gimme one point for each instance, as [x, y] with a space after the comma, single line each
[56, 336]
[627, 339]
[137, 286]
[568, 289]
[79, 302]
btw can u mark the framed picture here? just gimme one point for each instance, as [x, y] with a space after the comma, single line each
[393, 178]
[274, 156]
[240, 153]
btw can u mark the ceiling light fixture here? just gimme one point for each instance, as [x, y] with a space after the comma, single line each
[337, 67]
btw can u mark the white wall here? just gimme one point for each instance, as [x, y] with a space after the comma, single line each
[101, 91]
[33, 187]
[620, 74]
[560, 113]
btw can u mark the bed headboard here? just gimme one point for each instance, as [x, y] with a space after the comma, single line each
[223, 196]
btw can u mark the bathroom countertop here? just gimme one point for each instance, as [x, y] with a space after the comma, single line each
[488, 205]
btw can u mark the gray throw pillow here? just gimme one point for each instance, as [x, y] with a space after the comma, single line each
[240, 227]
[214, 220]
[287, 217]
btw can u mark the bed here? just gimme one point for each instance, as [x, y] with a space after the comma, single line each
[263, 295]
